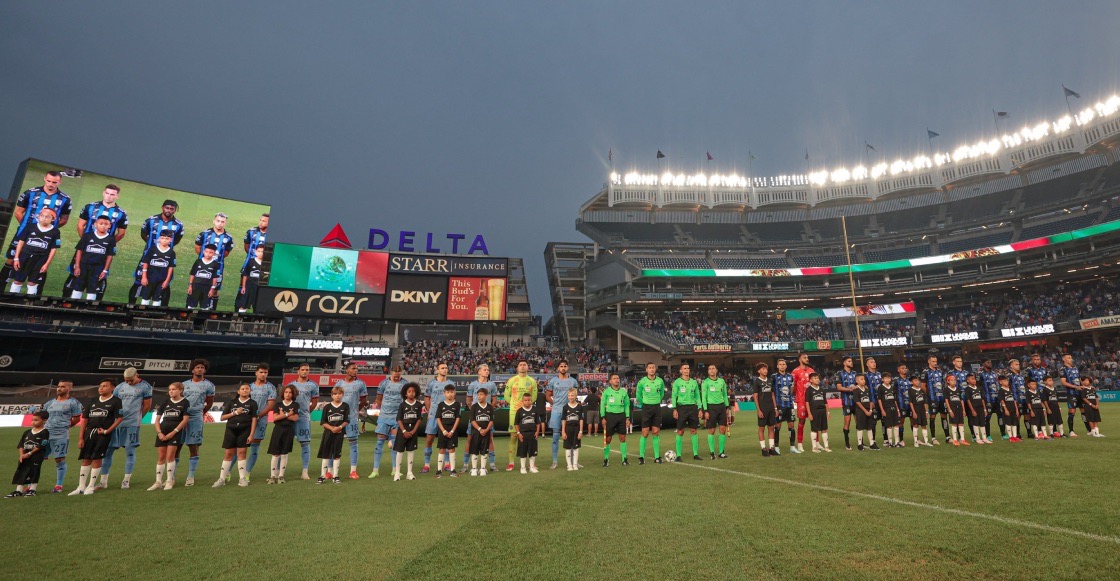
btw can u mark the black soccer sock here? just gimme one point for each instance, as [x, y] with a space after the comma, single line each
[932, 426]
[1002, 425]
[847, 439]
[1084, 421]
[945, 425]
[792, 437]
[1069, 420]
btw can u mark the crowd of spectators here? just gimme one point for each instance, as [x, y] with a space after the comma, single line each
[424, 356]
[692, 329]
[976, 317]
[887, 328]
[1064, 302]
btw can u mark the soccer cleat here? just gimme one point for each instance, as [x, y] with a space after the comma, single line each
[722, 456]
[280, 480]
[794, 450]
[860, 447]
[305, 476]
[169, 485]
[454, 474]
[606, 463]
[125, 484]
[697, 457]
[874, 446]
[1006, 437]
[848, 447]
[270, 481]
[396, 478]
[533, 470]
[354, 475]
[936, 442]
[816, 450]
[965, 443]
[625, 462]
[189, 482]
[439, 473]
[220, 483]
[482, 471]
[678, 459]
[955, 443]
[158, 485]
[373, 474]
[425, 469]
[524, 471]
[989, 438]
[827, 449]
[243, 482]
[320, 480]
[775, 451]
[76, 492]
[30, 494]
[553, 467]
[474, 471]
[57, 489]
[1073, 434]
[641, 461]
[901, 445]
[14, 494]
[410, 476]
[337, 480]
[712, 454]
[509, 468]
[948, 439]
[493, 468]
[765, 452]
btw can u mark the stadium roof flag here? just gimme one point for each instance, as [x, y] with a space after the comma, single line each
[1070, 92]
[710, 158]
[610, 154]
[869, 146]
[931, 134]
[1002, 114]
[336, 238]
[659, 154]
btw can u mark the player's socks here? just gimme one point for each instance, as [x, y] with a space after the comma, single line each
[792, 437]
[925, 435]
[283, 465]
[409, 456]
[451, 461]
[723, 443]
[192, 465]
[642, 447]
[848, 439]
[83, 476]
[711, 444]
[323, 469]
[378, 450]
[76, 294]
[824, 439]
[532, 463]
[129, 462]
[575, 458]
[353, 454]
[226, 465]
[243, 469]
[762, 444]
[171, 468]
[161, 469]
[60, 472]
[622, 447]
[800, 432]
[1086, 422]
[428, 456]
[859, 437]
[695, 444]
[492, 457]
[274, 465]
[680, 444]
[933, 426]
[32, 290]
[93, 475]
[1069, 420]
[254, 451]
[91, 296]
[305, 454]
[555, 446]
[607, 451]
[656, 447]
[107, 462]
[944, 424]
[523, 462]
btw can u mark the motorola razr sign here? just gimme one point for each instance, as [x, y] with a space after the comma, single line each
[305, 303]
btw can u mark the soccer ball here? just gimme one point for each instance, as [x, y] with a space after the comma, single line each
[670, 456]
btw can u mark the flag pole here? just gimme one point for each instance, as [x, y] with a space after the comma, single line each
[852, 288]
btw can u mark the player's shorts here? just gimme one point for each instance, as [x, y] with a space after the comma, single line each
[785, 415]
[769, 418]
[688, 416]
[353, 427]
[616, 424]
[28, 472]
[891, 418]
[59, 447]
[651, 416]
[236, 438]
[802, 410]
[1055, 412]
[175, 440]
[527, 448]
[125, 437]
[95, 445]
[920, 417]
[432, 427]
[904, 411]
[820, 419]
[1073, 399]
[282, 438]
[90, 279]
[193, 437]
[1039, 418]
[848, 408]
[1091, 415]
[479, 445]
[445, 443]
[958, 412]
[1011, 418]
[303, 429]
[937, 407]
[29, 267]
[556, 418]
[863, 421]
[405, 444]
[573, 441]
[262, 429]
[386, 426]
[717, 416]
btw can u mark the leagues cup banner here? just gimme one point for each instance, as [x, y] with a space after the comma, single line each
[476, 299]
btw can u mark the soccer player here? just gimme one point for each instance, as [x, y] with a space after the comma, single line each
[151, 230]
[571, 429]
[516, 387]
[845, 384]
[888, 409]
[482, 383]
[901, 382]
[64, 413]
[557, 394]
[863, 410]
[686, 402]
[99, 420]
[250, 276]
[157, 267]
[117, 225]
[283, 433]
[715, 401]
[33, 447]
[28, 212]
[481, 439]
[800, 385]
[991, 397]
[199, 391]
[255, 238]
[1090, 408]
[1053, 408]
[92, 258]
[1070, 378]
[222, 243]
[874, 384]
[354, 393]
[241, 423]
[408, 423]
[1009, 402]
[763, 389]
[976, 404]
[336, 414]
[205, 279]
[959, 372]
[615, 410]
[264, 393]
[34, 249]
[432, 396]
[448, 413]
[136, 399]
[1019, 388]
[307, 396]
[173, 414]
[933, 381]
[817, 413]
[783, 393]
[389, 398]
[918, 411]
[954, 405]
[526, 422]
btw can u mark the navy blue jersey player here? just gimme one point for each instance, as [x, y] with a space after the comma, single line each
[29, 204]
[150, 231]
[222, 243]
[255, 238]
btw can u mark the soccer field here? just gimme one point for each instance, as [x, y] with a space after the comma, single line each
[1029, 510]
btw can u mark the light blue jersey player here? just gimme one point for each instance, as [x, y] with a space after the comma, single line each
[307, 396]
[557, 394]
[389, 400]
[136, 399]
[433, 394]
[264, 393]
[354, 393]
[483, 382]
[65, 412]
[199, 392]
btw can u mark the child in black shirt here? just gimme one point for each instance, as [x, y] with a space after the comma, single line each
[92, 257]
[571, 428]
[173, 418]
[527, 420]
[336, 415]
[482, 434]
[33, 448]
[241, 422]
[448, 414]
[283, 433]
[408, 423]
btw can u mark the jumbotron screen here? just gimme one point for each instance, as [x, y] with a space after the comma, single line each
[361, 284]
[123, 241]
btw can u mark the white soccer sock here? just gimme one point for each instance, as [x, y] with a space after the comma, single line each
[93, 474]
[915, 430]
[925, 435]
[474, 461]
[769, 442]
[451, 460]
[824, 439]
[226, 465]
[275, 466]
[160, 469]
[1034, 431]
[762, 444]
[568, 458]
[91, 296]
[523, 461]
[859, 437]
[410, 455]
[323, 471]
[83, 476]
[32, 290]
[242, 473]
[575, 457]
[15, 288]
[171, 471]
[156, 303]
[74, 294]
[144, 302]
[283, 465]
[33, 486]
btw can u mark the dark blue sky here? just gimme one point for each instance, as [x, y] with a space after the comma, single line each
[496, 118]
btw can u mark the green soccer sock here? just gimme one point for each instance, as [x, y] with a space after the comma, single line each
[607, 452]
[722, 443]
[657, 446]
[642, 446]
[680, 443]
[695, 445]
[622, 448]
[711, 444]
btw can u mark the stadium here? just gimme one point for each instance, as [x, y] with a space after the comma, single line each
[909, 366]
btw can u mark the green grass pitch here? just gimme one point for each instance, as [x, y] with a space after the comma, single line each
[140, 201]
[1030, 510]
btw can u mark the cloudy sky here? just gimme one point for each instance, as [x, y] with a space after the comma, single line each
[496, 118]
